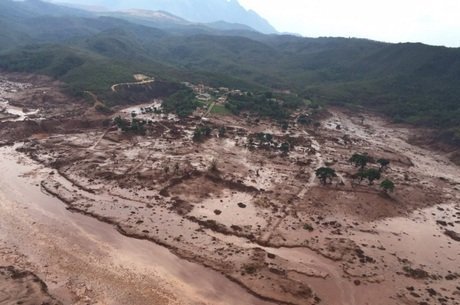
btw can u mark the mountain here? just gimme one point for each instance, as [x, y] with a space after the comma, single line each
[165, 20]
[201, 11]
[409, 82]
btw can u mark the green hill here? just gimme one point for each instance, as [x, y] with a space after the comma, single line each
[409, 82]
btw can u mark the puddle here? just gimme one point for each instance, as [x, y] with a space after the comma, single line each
[14, 114]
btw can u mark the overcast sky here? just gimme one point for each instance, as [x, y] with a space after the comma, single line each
[435, 22]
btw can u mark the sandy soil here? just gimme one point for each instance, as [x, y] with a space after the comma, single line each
[237, 204]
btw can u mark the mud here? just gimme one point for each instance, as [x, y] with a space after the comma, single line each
[238, 203]
[23, 287]
[33, 104]
[85, 261]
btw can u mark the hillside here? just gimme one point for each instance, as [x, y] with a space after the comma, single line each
[412, 83]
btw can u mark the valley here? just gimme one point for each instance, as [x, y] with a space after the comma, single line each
[214, 208]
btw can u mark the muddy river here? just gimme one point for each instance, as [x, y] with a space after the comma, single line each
[81, 258]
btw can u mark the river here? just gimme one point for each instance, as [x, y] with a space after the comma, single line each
[81, 258]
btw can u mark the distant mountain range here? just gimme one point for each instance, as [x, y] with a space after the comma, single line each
[201, 11]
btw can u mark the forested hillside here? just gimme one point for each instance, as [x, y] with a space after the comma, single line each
[409, 82]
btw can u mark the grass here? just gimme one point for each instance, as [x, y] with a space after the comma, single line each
[220, 110]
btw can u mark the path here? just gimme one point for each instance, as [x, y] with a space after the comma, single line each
[94, 96]
[311, 182]
[142, 82]
[209, 109]
[100, 138]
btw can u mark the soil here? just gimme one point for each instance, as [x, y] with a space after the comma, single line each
[23, 287]
[252, 215]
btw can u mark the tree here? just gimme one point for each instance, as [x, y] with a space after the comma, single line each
[121, 123]
[201, 132]
[285, 147]
[383, 164]
[359, 160]
[371, 174]
[269, 137]
[387, 186]
[325, 173]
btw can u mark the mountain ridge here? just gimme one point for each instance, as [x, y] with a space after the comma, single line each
[201, 11]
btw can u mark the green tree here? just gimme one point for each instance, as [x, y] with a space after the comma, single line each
[325, 174]
[121, 123]
[371, 174]
[269, 137]
[359, 160]
[387, 186]
[285, 147]
[138, 126]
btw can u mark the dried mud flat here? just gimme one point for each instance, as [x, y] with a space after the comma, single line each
[238, 205]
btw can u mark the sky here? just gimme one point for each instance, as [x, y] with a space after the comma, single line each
[435, 22]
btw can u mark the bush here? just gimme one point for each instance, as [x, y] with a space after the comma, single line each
[325, 174]
[387, 185]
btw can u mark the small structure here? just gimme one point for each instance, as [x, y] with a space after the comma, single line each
[204, 97]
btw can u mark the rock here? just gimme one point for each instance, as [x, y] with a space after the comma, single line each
[452, 234]
[308, 227]
[217, 212]
[416, 273]
[241, 205]
[441, 222]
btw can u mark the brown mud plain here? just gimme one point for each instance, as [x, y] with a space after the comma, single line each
[92, 215]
